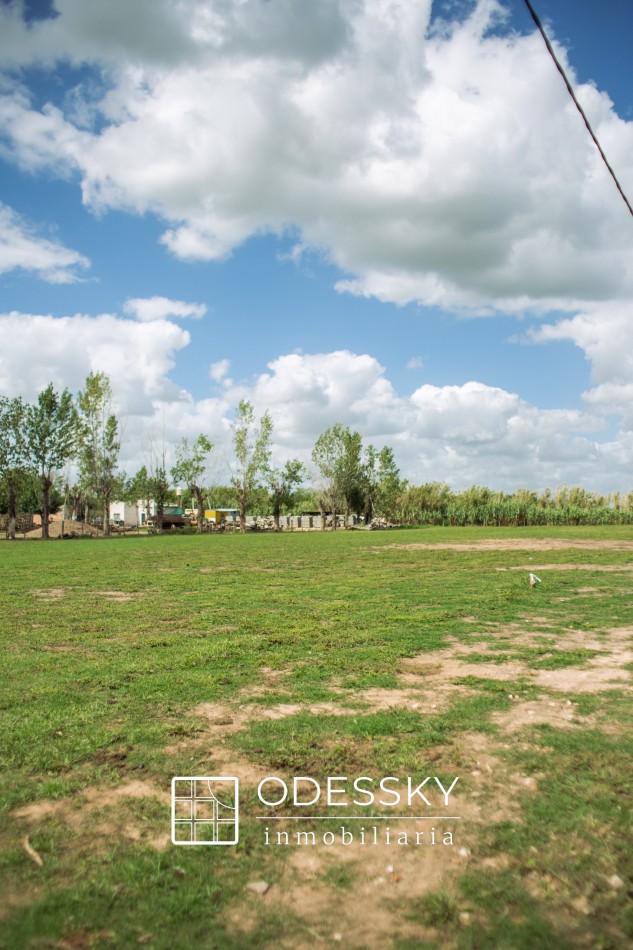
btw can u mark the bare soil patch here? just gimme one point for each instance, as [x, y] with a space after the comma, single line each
[74, 529]
[518, 544]
[601, 568]
[604, 671]
[83, 812]
[118, 595]
[49, 593]
[561, 715]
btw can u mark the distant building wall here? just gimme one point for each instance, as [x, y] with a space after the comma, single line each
[124, 512]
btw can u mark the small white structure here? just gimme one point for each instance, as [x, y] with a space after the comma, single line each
[132, 515]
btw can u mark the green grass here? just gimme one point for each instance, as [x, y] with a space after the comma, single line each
[98, 689]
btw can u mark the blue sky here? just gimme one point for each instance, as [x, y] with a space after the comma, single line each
[390, 214]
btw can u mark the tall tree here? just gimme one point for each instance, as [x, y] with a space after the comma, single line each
[351, 473]
[382, 483]
[139, 489]
[337, 455]
[158, 485]
[99, 444]
[191, 464]
[282, 484]
[326, 456]
[252, 448]
[50, 428]
[14, 460]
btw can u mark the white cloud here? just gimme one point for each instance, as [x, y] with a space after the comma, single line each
[445, 167]
[606, 337]
[138, 357]
[147, 309]
[219, 371]
[462, 434]
[21, 248]
[416, 362]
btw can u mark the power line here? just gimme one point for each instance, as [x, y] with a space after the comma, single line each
[576, 103]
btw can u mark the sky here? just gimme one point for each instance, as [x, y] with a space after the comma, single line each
[384, 213]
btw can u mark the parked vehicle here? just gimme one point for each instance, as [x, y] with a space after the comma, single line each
[173, 517]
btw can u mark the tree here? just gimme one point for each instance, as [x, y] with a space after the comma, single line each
[251, 444]
[98, 440]
[50, 429]
[191, 463]
[325, 455]
[382, 483]
[14, 460]
[282, 484]
[351, 474]
[337, 455]
[138, 488]
[158, 485]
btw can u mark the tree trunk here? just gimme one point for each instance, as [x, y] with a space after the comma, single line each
[276, 515]
[12, 510]
[369, 510]
[198, 494]
[106, 514]
[46, 494]
[322, 508]
[242, 504]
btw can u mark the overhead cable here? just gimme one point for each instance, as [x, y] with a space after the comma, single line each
[577, 104]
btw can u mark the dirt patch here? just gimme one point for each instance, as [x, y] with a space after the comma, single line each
[437, 669]
[117, 595]
[440, 667]
[594, 680]
[517, 544]
[74, 529]
[49, 593]
[412, 699]
[274, 675]
[81, 812]
[603, 568]
[383, 875]
[604, 671]
[560, 715]
[386, 873]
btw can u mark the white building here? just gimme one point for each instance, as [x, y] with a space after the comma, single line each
[126, 513]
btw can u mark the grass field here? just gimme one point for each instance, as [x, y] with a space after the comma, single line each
[404, 653]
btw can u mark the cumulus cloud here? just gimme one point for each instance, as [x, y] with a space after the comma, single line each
[147, 309]
[462, 434]
[444, 166]
[606, 338]
[219, 371]
[155, 413]
[21, 248]
[138, 357]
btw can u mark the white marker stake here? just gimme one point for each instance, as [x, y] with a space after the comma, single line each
[534, 580]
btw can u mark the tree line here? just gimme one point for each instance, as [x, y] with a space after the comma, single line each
[39, 441]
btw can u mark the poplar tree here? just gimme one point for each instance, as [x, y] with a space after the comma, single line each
[50, 431]
[252, 449]
[191, 464]
[14, 460]
[98, 440]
